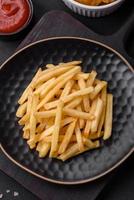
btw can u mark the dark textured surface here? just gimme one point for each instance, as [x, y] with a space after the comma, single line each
[109, 67]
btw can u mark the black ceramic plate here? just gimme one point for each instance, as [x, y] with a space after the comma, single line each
[17, 72]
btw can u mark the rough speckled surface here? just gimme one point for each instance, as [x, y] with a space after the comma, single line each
[18, 72]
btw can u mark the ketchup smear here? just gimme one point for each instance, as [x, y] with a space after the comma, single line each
[13, 15]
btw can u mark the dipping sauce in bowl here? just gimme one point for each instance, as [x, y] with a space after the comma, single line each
[15, 15]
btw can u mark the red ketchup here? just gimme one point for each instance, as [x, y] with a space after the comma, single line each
[14, 14]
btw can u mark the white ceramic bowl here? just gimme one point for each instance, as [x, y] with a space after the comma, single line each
[93, 11]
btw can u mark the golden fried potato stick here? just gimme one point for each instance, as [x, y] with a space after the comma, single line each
[52, 74]
[67, 88]
[91, 78]
[104, 99]
[61, 137]
[74, 150]
[74, 103]
[44, 149]
[64, 144]
[32, 117]
[97, 89]
[82, 75]
[108, 117]
[97, 114]
[56, 132]
[79, 137]
[24, 119]
[43, 86]
[78, 114]
[87, 128]
[81, 121]
[26, 134]
[21, 110]
[86, 104]
[72, 63]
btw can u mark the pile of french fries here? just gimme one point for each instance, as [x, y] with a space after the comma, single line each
[65, 111]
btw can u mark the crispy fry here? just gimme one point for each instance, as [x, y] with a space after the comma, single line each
[91, 78]
[26, 134]
[88, 122]
[98, 113]
[81, 121]
[43, 87]
[104, 99]
[82, 85]
[97, 89]
[55, 136]
[74, 103]
[67, 138]
[79, 137]
[67, 88]
[32, 117]
[21, 110]
[108, 117]
[78, 114]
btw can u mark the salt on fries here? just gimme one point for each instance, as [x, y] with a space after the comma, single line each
[65, 111]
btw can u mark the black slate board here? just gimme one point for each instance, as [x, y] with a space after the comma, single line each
[56, 24]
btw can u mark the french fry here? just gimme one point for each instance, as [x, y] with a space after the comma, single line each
[44, 150]
[97, 89]
[49, 66]
[91, 78]
[87, 128]
[69, 152]
[52, 74]
[98, 113]
[77, 94]
[67, 138]
[79, 137]
[29, 101]
[104, 99]
[32, 117]
[26, 134]
[78, 114]
[108, 117]
[74, 103]
[84, 76]
[91, 144]
[48, 139]
[40, 128]
[81, 121]
[94, 136]
[42, 87]
[55, 136]
[82, 85]
[21, 110]
[72, 63]
[67, 88]
[24, 119]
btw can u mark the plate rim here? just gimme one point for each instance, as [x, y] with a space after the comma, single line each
[50, 179]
